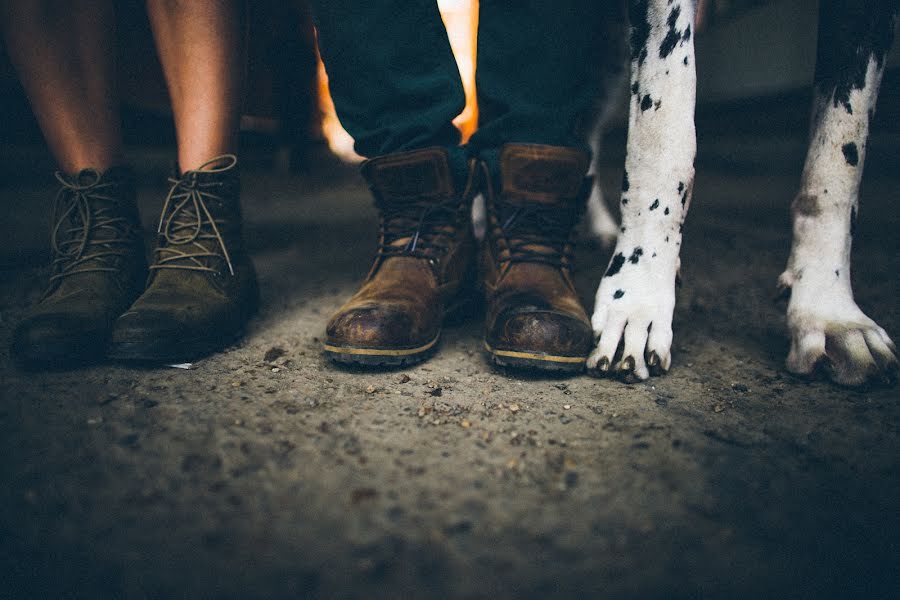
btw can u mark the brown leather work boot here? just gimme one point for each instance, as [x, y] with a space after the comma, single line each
[534, 317]
[98, 269]
[424, 267]
[202, 287]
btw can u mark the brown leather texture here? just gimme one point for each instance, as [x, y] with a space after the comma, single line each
[410, 175]
[403, 300]
[532, 306]
[539, 173]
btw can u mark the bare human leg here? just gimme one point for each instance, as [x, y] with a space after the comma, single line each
[64, 53]
[200, 45]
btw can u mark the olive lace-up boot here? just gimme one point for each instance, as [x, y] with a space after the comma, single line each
[534, 316]
[424, 268]
[98, 269]
[202, 287]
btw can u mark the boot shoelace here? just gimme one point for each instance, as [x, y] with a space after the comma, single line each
[187, 222]
[539, 234]
[88, 234]
[421, 223]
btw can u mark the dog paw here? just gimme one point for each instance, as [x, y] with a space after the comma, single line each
[831, 334]
[632, 324]
[851, 352]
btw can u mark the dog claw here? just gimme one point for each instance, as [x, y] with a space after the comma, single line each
[652, 359]
[603, 365]
[627, 365]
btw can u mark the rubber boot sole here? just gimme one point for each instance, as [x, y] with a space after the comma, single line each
[158, 351]
[401, 357]
[381, 357]
[531, 361]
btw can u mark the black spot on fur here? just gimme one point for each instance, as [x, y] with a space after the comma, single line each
[654, 255]
[635, 88]
[636, 255]
[680, 187]
[624, 200]
[666, 211]
[837, 272]
[616, 265]
[851, 154]
[622, 229]
[618, 294]
[625, 184]
[851, 33]
[685, 61]
[640, 29]
[657, 104]
[673, 36]
[853, 221]
[646, 102]
[687, 34]
[655, 204]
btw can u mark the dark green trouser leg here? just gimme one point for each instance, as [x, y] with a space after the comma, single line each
[538, 64]
[393, 78]
[396, 85]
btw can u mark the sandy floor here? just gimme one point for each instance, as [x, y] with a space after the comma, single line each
[266, 472]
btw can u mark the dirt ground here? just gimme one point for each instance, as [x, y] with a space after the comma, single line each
[266, 472]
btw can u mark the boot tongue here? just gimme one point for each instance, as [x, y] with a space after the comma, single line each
[198, 198]
[535, 178]
[410, 176]
[87, 177]
[404, 179]
[103, 193]
[534, 173]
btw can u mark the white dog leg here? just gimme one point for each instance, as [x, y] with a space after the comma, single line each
[632, 318]
[827, 328]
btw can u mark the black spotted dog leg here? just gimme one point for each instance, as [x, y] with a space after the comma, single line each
[826, 326]
[632, 317]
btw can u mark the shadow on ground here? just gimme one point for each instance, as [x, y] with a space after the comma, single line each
[265, 472]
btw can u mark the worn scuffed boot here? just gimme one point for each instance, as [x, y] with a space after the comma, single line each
[202, 287]
[98, 269]
[424, 267]
[534, 316]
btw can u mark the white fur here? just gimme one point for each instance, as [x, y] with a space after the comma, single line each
[825, 324]
[634, 305]
[632, 318]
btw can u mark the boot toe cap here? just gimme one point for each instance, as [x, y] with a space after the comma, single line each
[376, 327]
[541, 332]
